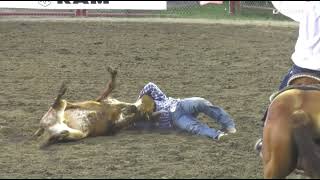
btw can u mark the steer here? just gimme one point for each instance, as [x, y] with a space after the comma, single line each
[66, 121]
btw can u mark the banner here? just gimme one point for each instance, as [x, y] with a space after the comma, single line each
[210, 2]
[134, 5]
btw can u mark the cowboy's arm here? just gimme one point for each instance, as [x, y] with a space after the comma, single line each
[154, 91]
[155, 116]
[162, 119]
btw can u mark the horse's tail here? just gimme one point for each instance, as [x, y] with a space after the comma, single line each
[307, 149]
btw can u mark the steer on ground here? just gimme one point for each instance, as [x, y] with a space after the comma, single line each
[66, 121]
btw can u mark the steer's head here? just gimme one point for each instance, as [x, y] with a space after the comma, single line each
[54, 116]
[146, 106]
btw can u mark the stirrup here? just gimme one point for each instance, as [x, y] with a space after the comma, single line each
[258, 146]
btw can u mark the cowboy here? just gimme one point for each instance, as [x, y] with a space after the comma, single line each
[182, 113]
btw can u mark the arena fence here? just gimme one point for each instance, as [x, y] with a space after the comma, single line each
[256, 4]
[173, 9]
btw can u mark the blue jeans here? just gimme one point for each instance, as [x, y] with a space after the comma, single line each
[188, 109]
[296, 70]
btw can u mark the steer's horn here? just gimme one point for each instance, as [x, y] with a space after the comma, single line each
[39, 132]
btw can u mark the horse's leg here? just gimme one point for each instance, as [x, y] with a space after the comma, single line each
[279, 156]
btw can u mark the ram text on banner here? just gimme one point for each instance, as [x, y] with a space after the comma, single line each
[130, 5]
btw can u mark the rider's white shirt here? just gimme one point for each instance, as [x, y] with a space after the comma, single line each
[307, 14]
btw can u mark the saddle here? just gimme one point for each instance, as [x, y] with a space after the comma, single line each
[309, 82]
[315, 79]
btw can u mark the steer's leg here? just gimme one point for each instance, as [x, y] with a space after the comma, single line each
[64, 135]
[74, 134]
[67, 134]
[110, 85]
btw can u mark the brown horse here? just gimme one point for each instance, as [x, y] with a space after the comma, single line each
[292, 130]
[66, 121]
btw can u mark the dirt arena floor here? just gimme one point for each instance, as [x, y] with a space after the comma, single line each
[234, 66]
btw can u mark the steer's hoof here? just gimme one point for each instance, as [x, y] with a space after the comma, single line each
[64, 134]
[112, 71]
